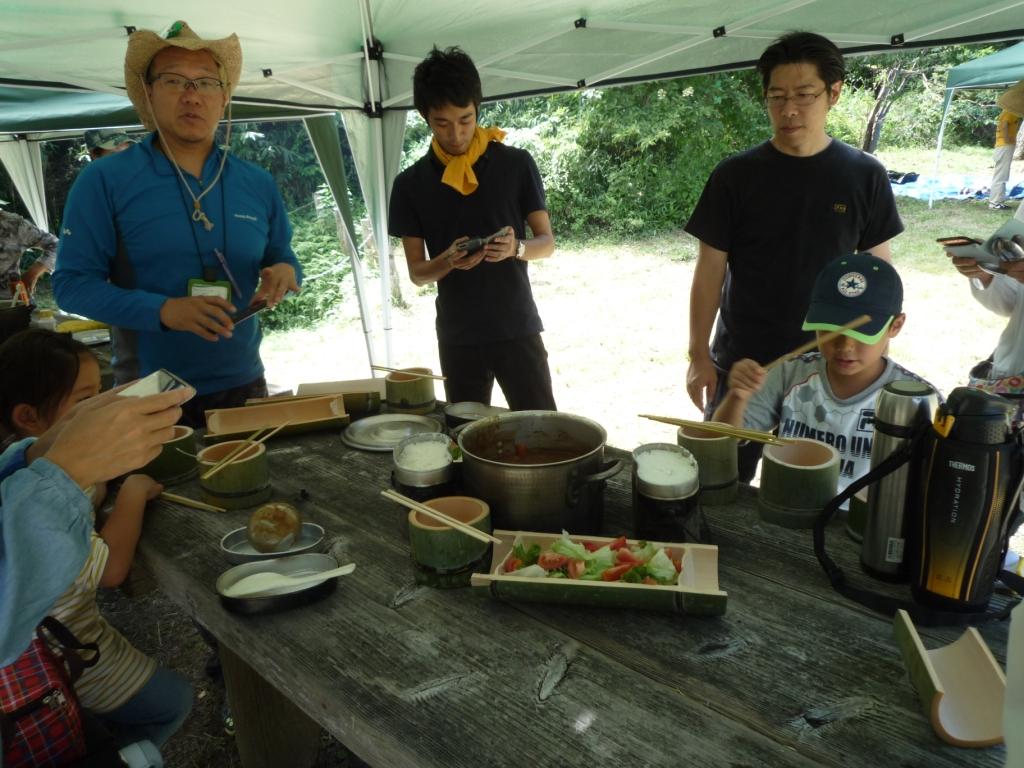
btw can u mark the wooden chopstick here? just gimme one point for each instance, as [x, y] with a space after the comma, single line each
[237, 450]
[441, 517]
[722, 429]
[821, 340]
[185, 501]
[411, 373]
[249, 443]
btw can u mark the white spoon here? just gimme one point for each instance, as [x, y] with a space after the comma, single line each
[258, 583]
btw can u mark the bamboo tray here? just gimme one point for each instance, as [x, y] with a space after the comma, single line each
[357, 404]
[306, 415]
[696, 593]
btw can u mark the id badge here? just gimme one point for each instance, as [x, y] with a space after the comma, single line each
[220, 288]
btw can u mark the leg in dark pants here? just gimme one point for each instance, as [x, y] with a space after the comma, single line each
[747, 455]
[520, 366]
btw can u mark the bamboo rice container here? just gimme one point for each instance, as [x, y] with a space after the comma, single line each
[797, 481]
[716, 463]
[245, 482]
[177, 459]
[407, 393]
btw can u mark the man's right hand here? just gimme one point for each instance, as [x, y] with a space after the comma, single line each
[208, 317]
[121, 435]
[701, 381]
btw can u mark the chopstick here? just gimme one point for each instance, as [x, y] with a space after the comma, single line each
[411, 373]
[237, 450]
[185, 501]
[441, 517]
[722, 429]
[821, 340]
[246, 445]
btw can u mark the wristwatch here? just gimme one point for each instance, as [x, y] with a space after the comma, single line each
[521, 249]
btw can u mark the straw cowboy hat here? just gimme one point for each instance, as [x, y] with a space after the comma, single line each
[1013, 99]
[144, 44]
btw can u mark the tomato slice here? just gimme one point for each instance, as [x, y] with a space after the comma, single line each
[619, 543]
[648, 580]
[576, 568]
[513, 564]
[624, 555]
[616, 572]
[552, 561]
[591, 546]
[678, 563]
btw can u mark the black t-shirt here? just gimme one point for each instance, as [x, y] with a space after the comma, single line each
[780, 219]
[493, 301]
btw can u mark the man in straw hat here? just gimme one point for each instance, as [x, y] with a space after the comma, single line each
[1007, 125]
[172, 236]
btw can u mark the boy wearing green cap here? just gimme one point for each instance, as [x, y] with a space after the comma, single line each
[829, 395]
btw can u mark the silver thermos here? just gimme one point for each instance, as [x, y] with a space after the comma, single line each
[900, 408]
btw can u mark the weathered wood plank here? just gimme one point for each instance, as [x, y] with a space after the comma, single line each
[405, 675]
[409, 676]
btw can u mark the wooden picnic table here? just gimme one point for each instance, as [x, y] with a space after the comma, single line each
[404, 675]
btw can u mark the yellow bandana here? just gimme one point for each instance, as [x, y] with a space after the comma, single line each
[458, 171]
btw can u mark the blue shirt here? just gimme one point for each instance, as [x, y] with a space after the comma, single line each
[45, 523]
[136, 197]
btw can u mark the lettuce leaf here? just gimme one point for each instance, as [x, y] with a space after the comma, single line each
[572, 550]
[527, 554]
[661, 568]
[644, 550]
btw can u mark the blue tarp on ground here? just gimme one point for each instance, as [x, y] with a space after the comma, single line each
[960, 186]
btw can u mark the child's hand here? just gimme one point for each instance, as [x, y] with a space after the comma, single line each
[745, 378]
[142, 485]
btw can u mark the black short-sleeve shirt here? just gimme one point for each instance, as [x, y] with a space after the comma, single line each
[780, 219]
[493, 301]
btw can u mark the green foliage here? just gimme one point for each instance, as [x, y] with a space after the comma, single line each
[633, 160]
[324, 288]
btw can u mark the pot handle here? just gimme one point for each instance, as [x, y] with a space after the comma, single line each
[572, 491]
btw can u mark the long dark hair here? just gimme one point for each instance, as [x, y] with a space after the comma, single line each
[38, 368]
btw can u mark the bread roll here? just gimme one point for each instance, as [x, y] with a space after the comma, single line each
[274, 527]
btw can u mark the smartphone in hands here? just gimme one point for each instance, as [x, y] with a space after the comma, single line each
[475, 244]
[153, 384]
[250, 311]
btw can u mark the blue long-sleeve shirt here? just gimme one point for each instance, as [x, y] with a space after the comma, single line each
[45, 523]
[135, 198]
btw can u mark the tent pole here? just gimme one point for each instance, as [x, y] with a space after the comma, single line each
[938, 146]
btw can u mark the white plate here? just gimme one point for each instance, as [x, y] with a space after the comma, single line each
[385, 431]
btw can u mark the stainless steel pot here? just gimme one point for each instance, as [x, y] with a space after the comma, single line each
[565, 491]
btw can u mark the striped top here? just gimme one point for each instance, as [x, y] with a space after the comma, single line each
[122, 670]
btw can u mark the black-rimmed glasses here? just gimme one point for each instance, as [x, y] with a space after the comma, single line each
[179, 83]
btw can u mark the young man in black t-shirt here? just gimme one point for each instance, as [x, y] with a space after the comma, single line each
[469, 185]
[769, 219]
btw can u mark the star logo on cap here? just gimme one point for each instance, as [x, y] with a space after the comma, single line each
[852, 284]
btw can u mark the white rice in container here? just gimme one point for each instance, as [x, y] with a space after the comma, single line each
[424, 455]
[661, 467]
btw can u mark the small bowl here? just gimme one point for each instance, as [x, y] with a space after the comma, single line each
[466, 412]
[245, 482]
[177, 459]
[424, 476]
[442, 551]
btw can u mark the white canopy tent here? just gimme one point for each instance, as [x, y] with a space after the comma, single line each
[357, 56]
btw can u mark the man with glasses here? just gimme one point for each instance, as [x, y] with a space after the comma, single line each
[172, 236]
[771, 217]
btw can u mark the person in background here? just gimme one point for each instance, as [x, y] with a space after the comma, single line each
[769, 219]
[171, 236]
[126, 690]
[470, 185]
[829, 395]
[106, 141]
[1007, 125]
[18, 235]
